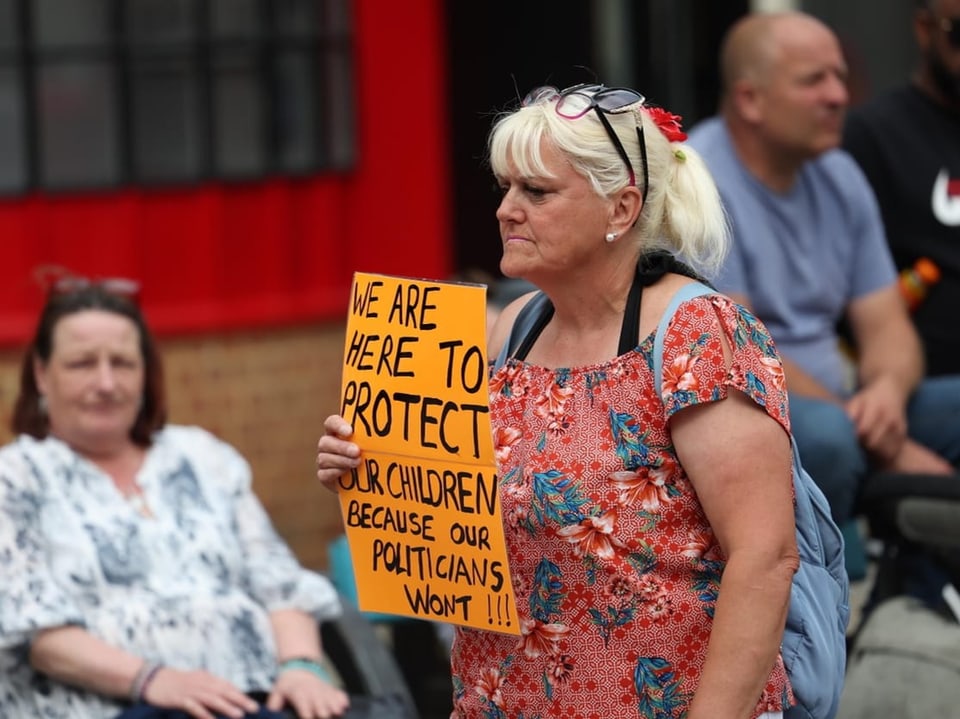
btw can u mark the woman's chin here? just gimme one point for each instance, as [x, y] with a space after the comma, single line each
[514, 267]
[103, 429]
[507, 272]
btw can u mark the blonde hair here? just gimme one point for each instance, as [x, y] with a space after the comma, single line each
[682, 214]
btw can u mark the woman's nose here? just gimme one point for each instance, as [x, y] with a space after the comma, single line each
[508, 208]
[106, 379]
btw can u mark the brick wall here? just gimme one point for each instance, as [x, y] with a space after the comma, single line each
[266, 393]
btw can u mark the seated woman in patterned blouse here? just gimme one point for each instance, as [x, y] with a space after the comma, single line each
[650, 529]
[138, 571]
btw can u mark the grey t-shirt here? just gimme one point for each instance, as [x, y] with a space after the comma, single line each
[802, 256]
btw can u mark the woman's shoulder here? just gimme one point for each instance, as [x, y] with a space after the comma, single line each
[12, 454]
[716, 310]
[672, 293]
[499, 333]
[26, 462]
[26, 448]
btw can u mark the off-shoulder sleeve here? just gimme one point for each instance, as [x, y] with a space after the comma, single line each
[695, 369]
[274, 577]
[30, 598]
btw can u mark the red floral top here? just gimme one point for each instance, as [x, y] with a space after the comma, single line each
[615, 568]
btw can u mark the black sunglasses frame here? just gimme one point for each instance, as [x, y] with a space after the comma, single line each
[594, 96]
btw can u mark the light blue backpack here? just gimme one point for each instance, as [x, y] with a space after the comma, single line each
[814, 645]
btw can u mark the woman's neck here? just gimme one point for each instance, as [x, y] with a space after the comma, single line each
[119, 457]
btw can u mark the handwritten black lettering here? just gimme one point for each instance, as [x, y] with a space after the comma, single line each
[389, 519]
[471, 535]
[410, 307]
[472, 367]
[467, 491]
[359, 404]
[395, 558]
[364, 297]
[425, 602]
[368, 482]
[359, 350]
[422, 563]
[391, 361]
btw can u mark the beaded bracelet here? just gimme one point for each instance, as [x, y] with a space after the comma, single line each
[307, 663]
[148, 670]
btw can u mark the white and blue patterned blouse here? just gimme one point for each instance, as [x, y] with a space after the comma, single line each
[191, 587]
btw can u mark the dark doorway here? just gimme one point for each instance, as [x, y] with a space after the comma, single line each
[497, 52]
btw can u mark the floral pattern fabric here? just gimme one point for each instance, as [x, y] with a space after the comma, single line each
[614, 565]
[192, 586]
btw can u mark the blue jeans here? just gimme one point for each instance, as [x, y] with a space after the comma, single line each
[831, 452]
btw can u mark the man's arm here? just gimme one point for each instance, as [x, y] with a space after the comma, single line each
[888, 348]
[889, 365]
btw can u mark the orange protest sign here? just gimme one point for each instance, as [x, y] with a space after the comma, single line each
[422, 512]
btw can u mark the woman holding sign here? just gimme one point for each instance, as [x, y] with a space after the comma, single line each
[650, 530]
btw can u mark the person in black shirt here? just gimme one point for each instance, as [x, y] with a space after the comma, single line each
[908, 143]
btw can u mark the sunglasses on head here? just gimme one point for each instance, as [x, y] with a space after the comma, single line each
[60, 281]
[576, 101]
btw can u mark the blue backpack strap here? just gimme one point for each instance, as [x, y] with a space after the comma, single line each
[687, 292]
[814, 639]
[528, 317]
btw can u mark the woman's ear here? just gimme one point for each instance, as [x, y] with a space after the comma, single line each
[40, 375]
[626, 210]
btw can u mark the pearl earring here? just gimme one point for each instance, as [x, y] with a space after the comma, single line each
[611, 236]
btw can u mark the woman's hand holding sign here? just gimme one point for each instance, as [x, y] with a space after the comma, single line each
[335, 453]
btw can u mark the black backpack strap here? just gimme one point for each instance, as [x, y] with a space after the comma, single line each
[650, 268]
[535, 315]
[527, 326]
[630, 329]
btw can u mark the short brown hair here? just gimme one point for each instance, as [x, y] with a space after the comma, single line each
[28, 418]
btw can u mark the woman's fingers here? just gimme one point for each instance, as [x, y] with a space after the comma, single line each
[335, 453]
[309, 696]
[337, 426]
[198, 693]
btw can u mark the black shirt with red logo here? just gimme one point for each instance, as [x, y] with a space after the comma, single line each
[909, 148]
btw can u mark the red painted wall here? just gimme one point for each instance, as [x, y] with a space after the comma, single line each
[227, 256]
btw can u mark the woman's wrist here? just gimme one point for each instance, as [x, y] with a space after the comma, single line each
[146, 674]
[309, 664]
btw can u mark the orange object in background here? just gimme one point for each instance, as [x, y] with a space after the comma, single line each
[916, 281]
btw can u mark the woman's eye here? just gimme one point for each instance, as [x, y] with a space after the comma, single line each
[534, 191]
